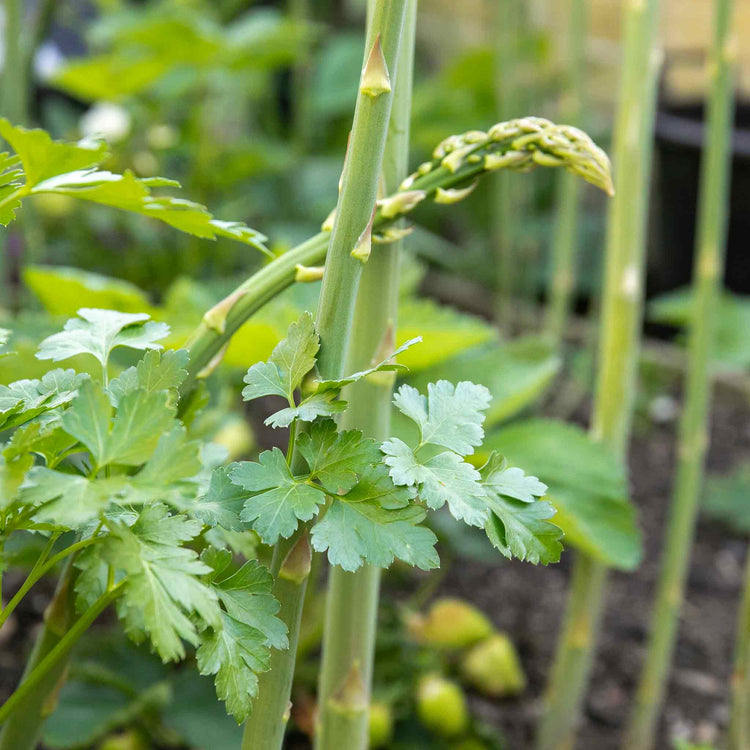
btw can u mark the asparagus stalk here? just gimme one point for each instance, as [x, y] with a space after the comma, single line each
[352, 229]
[352, 603]
[618, 355]
[739, 727]
[562, 280]
[693, 432]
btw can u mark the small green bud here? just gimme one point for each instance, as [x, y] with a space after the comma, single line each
[216, 317]
[296, 565]
[380, 725]
[493, 667]
[375, 78]
[441, 706]
[327, 225]
[363, 248]
[400, 203]
[305, 274]
[455, 159]
[450, 624]
[392, 234]
[454, 195]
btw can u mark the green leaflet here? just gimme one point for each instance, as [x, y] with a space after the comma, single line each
[72, 169]
[98, 332]
[281, 500]
[239, 648]
[317, 405]
[156, 371]
[163, 586]
[337, 459]
[361, 532]
[518, 524]
[449, 416]
[139, 422]
[587, 486]
[24, 400]
[222, 503]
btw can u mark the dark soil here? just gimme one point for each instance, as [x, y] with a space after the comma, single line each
[527, 602]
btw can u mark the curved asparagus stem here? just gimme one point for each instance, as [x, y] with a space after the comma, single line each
[351, 611]
[351, 233]
[618, 354]
[693, 432]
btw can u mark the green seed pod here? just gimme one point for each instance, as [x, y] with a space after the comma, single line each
[450, 624]
[493, 667]
[381, 724]
[441, 706]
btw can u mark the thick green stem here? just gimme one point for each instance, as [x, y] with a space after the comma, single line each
[290, 568]
[562, 279]
[352, 603]
[618, 351]
[739, 725]
[693, 433]
[351, 229]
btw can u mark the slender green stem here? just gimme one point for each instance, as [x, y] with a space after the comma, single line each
[618, 352]
[507, 200]
[739, 725]
[48, 666]
[562, 279]
[39, 571]
[352, 225]
[693, 433]
[352, 602]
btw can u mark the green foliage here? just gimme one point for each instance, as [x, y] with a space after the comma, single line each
[587, 486]
[72, 170]
[726, 499]
[731, 340]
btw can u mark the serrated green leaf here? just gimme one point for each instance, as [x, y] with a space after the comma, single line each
[67, 499]
[24, 400]
[443, 478]
[587, 486]
[156, 371]
[449, 416]
[282, 500]
[523, 530]
[222, 503]
[364, 532]
[337, 459]
[174, 459]
[264, 379]
[163, 587]
[239, 650]
[376, 485]
[43, 158]
[141, 419]
[98, 332]
[501, 479]
[318, 405]
[12, 473]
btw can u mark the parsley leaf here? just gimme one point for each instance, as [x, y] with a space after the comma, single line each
[156, 371]
[443, 478]
[449, 416]
[288, 364]
[239, 649]
[336, 459]
[281, 500]
[511, 481]
[317, 405]
[163, 587]
[355, 533]
[222, 503]
[98, 332]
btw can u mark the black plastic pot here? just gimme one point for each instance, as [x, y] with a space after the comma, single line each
[679, 138]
